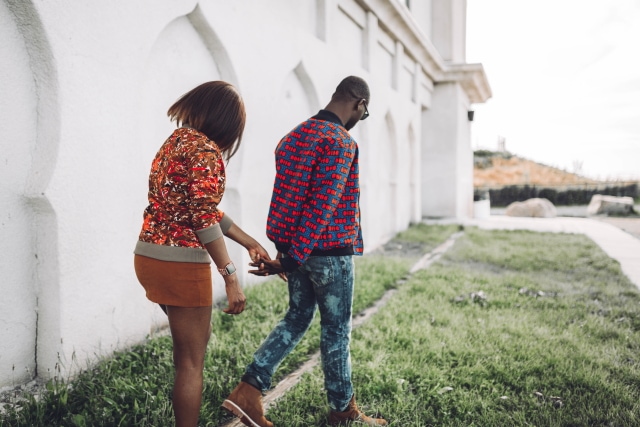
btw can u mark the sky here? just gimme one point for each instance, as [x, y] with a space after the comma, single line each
[565, 79]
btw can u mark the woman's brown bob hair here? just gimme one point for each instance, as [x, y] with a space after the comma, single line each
[216, 109]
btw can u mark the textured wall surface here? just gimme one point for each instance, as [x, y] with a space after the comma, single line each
[85, 88]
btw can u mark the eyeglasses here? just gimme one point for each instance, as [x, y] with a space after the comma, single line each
[366, 110]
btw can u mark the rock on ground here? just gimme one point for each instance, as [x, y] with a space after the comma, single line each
[536, 207]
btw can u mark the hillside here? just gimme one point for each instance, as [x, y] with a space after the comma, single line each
[493, 170]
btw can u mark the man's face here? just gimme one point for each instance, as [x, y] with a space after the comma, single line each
[360, 112]
[351, 123]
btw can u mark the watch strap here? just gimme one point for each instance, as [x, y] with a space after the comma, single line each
[228, 269]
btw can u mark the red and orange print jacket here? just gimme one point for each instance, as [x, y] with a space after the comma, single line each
[186, 184]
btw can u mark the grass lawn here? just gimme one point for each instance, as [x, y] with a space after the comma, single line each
[509, 328]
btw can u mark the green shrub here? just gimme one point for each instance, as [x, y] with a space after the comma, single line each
[563, 196]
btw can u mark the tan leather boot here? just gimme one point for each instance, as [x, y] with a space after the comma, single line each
[355, 416]
[245, 402]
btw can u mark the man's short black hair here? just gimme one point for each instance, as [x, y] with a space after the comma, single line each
[352, 87]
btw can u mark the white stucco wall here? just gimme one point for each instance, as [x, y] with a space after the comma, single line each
[18, 111]
[448, 31]
[85, 88]
[447, 160]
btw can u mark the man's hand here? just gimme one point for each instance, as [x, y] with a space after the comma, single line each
[235, 296]
[266, 267]
[282, 275]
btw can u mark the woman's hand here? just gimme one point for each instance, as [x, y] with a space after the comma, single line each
[235, 296]
[257, 252]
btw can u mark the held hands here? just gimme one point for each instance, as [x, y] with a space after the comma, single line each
[267, 267]
[259, 256]
[257, 252]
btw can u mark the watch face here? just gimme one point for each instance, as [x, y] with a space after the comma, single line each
[230, 269]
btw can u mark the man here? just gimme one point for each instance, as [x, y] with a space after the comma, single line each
[314, 221]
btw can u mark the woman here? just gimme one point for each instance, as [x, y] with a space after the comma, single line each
[183, 229]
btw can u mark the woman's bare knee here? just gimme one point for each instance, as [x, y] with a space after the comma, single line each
[190, 332]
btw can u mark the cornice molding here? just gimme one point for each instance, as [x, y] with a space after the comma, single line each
[471, 77]
[397, 20]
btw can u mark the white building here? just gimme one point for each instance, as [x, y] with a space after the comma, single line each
[84, 89]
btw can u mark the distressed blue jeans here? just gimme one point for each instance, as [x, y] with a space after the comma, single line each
[325, 282]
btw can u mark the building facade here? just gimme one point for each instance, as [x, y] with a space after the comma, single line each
[84, 90]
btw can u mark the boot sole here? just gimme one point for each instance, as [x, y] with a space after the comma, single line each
[238, 412]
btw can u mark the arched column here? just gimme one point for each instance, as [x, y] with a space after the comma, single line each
[168, 74]
[297, 99]
[415, 215]
[391, 171]
[29, 266]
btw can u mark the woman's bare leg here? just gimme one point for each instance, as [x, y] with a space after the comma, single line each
[190, 331]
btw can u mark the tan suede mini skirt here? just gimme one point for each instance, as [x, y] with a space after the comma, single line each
[182, 284]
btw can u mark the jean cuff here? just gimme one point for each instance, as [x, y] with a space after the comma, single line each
[246, 378]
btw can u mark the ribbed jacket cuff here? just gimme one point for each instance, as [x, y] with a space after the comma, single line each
[289, 264]
[209, 234]
[225, 223]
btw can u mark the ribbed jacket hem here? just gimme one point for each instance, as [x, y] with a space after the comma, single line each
[172, 253]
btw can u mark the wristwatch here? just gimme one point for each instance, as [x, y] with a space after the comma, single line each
[228, 269]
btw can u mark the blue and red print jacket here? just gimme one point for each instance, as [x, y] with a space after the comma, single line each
[315, 208]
